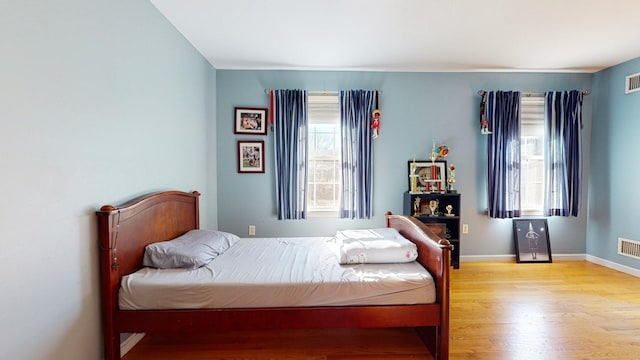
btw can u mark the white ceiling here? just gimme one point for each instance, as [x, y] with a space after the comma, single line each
[410, 35]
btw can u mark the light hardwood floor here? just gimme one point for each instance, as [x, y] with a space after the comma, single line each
[557, 311]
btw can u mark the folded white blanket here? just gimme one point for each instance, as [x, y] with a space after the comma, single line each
[384, 245]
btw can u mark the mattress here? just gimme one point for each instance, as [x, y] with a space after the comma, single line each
[277, 272]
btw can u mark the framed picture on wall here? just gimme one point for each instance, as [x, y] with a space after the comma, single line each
[531, 237]
[250, 121]
[250, 156]
[429, 176]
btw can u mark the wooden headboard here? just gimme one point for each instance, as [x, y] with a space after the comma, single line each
[127, 228]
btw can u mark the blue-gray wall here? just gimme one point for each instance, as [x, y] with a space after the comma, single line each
[615, 150]
[99, 101]
[417, 109]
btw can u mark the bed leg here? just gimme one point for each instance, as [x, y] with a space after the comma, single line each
[111, 346]
[433, 341]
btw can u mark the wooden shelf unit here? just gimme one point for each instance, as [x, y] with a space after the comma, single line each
[451, 221]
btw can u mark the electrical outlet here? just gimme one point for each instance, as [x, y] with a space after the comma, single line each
[465, 228]
[252, 230]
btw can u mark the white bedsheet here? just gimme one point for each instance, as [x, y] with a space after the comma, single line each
[277, 272]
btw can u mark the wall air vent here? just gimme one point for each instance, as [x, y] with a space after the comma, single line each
[632, 83]
[629, 248]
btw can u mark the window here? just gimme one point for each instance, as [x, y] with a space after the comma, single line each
[519, 145]
[532, 142]
[324, 166]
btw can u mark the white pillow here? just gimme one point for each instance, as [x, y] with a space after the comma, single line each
[192, 250]
[384, 245]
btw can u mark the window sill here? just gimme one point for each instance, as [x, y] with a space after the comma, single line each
[323, 214]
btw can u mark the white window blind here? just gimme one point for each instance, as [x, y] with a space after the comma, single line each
[532, 154]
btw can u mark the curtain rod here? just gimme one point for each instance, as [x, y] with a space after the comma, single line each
[321, 92]
[533, 93]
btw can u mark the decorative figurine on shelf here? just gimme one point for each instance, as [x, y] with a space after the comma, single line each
[375, 124]
[442, 151]
[414, 177]
[433, 156]
[433, 207]
[435, 182]
[452, 179]
[416, 206]
[433, 186]
[437, 153]
[449, 208]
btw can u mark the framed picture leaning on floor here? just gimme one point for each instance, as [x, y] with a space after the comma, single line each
[531, 238]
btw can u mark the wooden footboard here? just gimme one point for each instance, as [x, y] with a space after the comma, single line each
[434, 254]
[126, 229]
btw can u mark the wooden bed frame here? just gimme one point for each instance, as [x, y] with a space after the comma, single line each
[126, 229]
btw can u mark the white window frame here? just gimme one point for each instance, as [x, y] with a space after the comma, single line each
[323, 108]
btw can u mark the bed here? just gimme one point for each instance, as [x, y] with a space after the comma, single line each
[126, 229]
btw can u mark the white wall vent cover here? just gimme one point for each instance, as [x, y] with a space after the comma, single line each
[629, 248]
[632, 83]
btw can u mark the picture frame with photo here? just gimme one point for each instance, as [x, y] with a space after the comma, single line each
[251, 121]
[429, 176]
[250, 156]
[531, 238]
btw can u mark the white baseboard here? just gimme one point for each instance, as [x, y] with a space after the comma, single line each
[487, 258]
[569, 257]
[130, 342]
[512, 258]
[615, 266]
